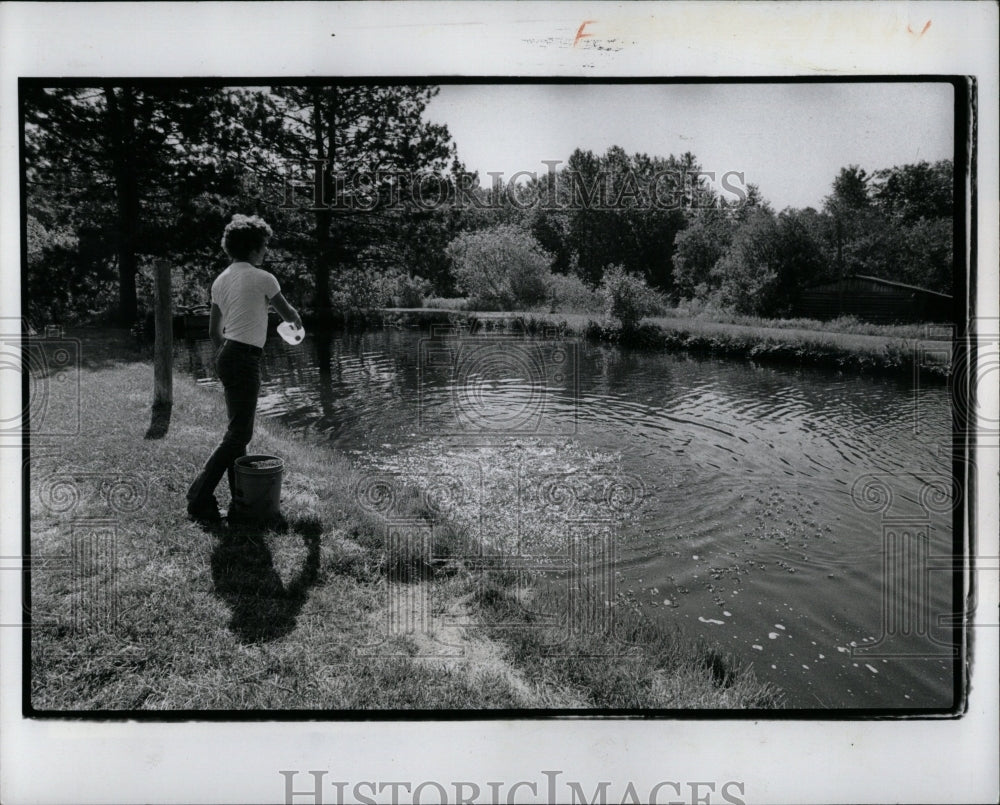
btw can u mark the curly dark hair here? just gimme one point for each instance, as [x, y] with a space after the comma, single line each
[244, 235]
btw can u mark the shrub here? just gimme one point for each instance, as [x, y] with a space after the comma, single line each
[570, 294]
[628, 298]
[501, 267]
[447, 302]
[411, 291]
[357, 290]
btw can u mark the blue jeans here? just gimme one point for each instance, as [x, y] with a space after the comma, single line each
[239, 371]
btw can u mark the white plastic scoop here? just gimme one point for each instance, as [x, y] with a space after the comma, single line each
[291, 333]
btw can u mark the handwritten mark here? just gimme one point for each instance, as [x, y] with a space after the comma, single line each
[922, 30]
[579, 31]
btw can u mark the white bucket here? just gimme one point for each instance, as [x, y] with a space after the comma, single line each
[291, 333]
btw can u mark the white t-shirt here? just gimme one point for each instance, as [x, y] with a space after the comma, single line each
[242, 293]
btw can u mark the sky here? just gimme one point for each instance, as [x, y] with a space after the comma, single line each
[789, 139]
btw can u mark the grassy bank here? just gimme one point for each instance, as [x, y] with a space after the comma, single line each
[294, 616]
[852, 346]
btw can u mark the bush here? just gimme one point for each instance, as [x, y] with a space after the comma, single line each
[570, 294]
[447, 302]
[357, 290]
[628, 298]
[502, 267]
[411, 291]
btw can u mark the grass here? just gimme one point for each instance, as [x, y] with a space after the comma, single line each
[632, 663]
[290, 616]
[706, 315]
[844, 343]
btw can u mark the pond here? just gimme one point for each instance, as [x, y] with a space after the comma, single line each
[799, 518]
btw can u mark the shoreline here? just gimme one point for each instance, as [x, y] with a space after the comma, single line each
[926, 359]
[292, 616]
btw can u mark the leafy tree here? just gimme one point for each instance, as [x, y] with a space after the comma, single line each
[930, 248]
[699, 247]
[915, 243]
[851, 212]
[908, 193]
[895, 224]
[500, 268]
[770, 259]
[68, 188]
[747, 273]
[126, 166]
[628, 210]
[371, 150]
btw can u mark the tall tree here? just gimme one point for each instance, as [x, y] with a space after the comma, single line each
[627, 210]
[911, 192]
[125, 164]
[121, 147]
[849, 207]
[370, 152]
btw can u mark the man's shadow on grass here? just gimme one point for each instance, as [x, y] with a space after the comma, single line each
[263, 607]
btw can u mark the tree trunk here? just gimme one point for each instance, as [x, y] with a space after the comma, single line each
[163, 354]
[121, 142]
[321, 303]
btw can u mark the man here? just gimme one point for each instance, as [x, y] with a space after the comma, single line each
[238, 326]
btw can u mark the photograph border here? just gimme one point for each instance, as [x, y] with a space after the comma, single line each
[788, 761]
[963, 588]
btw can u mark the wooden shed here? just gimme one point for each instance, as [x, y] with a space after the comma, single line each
[875, 300]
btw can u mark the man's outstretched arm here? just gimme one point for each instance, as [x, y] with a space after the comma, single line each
[215, 326]
[285, 310]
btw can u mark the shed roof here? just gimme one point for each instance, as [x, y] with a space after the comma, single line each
[880, 281]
